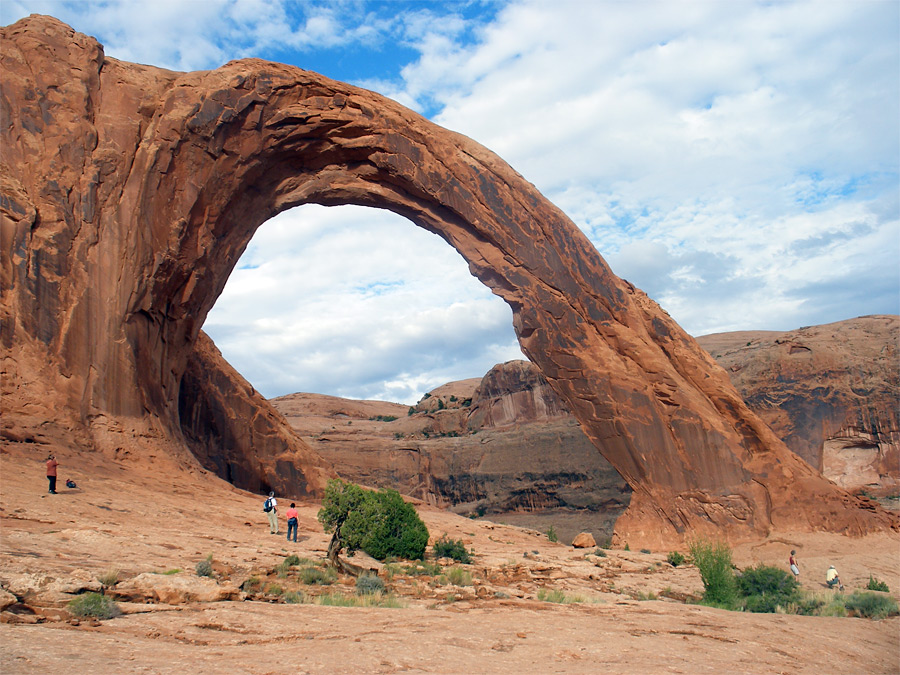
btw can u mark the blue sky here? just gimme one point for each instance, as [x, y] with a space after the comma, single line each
[737, 160]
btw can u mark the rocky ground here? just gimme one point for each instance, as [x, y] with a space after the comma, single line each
[149, 521]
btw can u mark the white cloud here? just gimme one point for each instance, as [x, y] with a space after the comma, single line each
[357, 302]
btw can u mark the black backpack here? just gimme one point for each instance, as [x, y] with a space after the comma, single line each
[267, 505]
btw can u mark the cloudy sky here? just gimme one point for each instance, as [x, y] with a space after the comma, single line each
[737, 160]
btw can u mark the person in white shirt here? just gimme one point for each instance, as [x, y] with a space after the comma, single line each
[273, 514]
[832, 578]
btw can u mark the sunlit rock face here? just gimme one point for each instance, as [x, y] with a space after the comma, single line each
[503, 447]
[130, 192]
[830, 392]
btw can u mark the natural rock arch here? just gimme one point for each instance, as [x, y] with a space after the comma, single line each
[130, 192]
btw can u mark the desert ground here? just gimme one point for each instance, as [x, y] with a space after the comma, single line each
[154, 516]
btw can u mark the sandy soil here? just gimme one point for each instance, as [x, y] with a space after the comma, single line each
[160, 517]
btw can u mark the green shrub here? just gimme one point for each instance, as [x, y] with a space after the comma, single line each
[176, 570]
[675, 558]
[294, 598]
[606, 543]
[204, 567]
[459, 577]
[291, 560]
[871, 605]
[713, 560]
[274, 589]
[551, 534]
[317, 576]
[95, 605]
[109, 578]
[557, 596]
[368, 584]
[380, 523]
[252, 585]
[646, 550]
[876, 585]
[767, 579]
[451, 548]
[422, 568]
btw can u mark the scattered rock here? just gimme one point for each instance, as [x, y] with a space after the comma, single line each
[584, 540]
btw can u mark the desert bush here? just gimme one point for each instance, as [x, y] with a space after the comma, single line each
[876, 585]
[422, 568]
[459, 577]
[713, 560]
[605, 542]
[291, 560]
[766, 588]
[451, 548]
[646, 550]
[375, 600]
[871, 605]
[317, 576]
[551, 534]
[109, 578]
[252, 585]
[675, 558]
[95, 605]
[204, 567]
[650, 595]
[380, 523]
[367, 584]
[176, 570]
[294, 598]
[274, 589]
[557, 596]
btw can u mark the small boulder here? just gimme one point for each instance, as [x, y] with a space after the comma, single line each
[176, 589]
[584, 540]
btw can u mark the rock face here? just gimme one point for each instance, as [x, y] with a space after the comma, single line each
[130, 192]
[504, 447]
[830, 392]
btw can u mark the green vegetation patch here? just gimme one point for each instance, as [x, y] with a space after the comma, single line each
[94, 605]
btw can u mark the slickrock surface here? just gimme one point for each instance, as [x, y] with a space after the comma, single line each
[149, 523]
[129, 193]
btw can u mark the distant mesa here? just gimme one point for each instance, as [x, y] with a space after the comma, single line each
[129, 192]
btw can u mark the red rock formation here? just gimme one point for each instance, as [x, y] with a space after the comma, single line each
[830, 392]
[129, 193]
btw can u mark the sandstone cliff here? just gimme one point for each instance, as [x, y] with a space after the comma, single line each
[831, 392]
[504, 447]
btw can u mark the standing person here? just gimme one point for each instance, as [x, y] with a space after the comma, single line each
[270, 507]
[292, 515]
[832, 578]
[51, 472]
[794, 567]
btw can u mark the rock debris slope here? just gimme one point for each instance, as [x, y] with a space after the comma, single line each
[130, 192]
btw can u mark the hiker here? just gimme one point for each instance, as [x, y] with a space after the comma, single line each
[792, 561]
[832, 578]
[51, 472]
[270, 507]
[292, 515]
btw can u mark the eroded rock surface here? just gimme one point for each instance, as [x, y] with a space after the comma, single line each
[830, 392]
[504, 447]
[130, 192]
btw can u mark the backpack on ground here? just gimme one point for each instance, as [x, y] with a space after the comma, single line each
[267, 505]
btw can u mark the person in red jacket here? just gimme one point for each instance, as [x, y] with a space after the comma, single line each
[292, 519]
[51, 473]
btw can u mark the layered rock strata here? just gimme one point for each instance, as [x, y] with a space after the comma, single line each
[831, 392]
[130, 192]
[505, 448]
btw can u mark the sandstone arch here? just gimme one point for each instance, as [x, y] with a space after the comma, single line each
[129, 193]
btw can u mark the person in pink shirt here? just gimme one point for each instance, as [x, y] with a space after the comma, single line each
[51, 473]
[292, 515]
